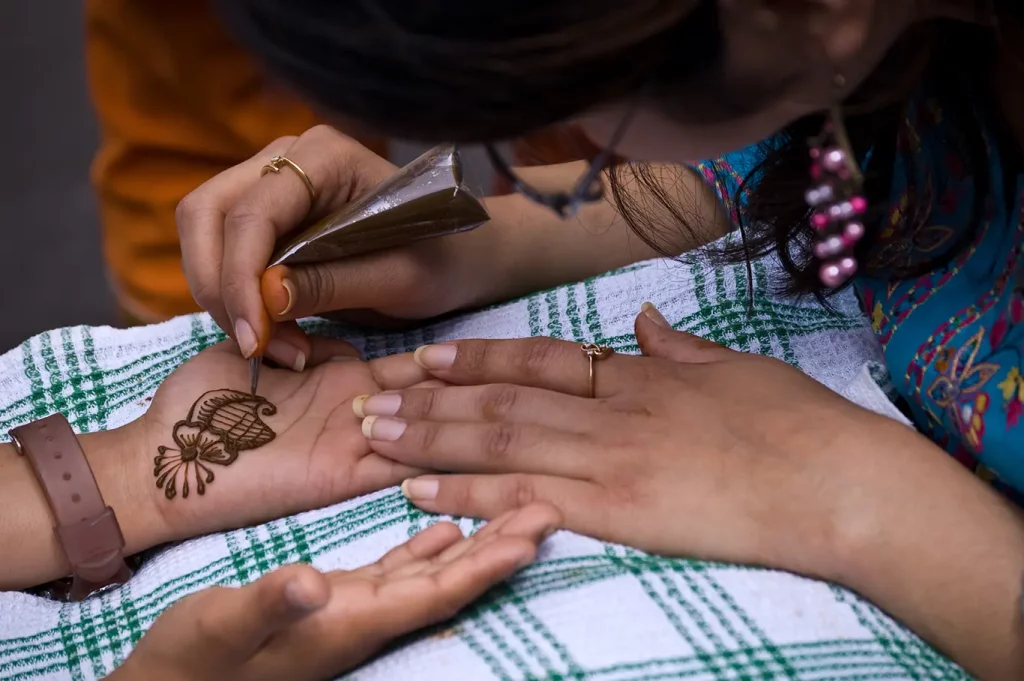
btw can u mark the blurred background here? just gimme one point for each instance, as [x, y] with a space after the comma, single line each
[52, 273]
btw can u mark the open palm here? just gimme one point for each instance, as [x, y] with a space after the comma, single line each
[222, 458]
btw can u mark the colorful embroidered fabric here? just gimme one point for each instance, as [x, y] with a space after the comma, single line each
[953, 339]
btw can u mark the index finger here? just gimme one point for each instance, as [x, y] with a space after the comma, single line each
[200, 220]
[546, 363]
[338, 168]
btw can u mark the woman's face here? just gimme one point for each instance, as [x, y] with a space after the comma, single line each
[786, 60]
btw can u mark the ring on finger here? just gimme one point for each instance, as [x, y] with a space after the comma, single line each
[279, 162]
[595, 353]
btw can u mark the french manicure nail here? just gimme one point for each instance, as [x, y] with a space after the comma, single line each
[245, 337]
[382, 405]
[289, 290]
[286, 354]
[382, 428]
[420, 489]
[435, 357]
[654, 315]
[357, 405]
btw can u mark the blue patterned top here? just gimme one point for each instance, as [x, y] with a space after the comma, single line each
[953, 340]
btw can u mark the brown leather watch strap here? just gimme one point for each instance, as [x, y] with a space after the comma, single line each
[86, 527]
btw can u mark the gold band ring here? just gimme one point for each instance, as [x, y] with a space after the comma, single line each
[279, 162]
[595, 353]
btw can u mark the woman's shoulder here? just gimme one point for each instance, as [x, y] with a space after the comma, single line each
[735, 174]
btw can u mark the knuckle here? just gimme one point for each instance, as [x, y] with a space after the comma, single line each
[472, 357]
[461, 496]
[426, 435]
[626, 492]
[205, 293]
[231, 287]
[424, 403]
[535, 358]
[242, 217]
[281, 144]
[321, 130]
[186, 210]
[499, 441]
[314, 286]
[519, 492]
[498, 401]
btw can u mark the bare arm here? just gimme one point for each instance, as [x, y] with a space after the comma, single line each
[532, 249]
[937, 549]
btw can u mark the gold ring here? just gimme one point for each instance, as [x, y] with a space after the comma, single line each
[279, 162]
[595, 352]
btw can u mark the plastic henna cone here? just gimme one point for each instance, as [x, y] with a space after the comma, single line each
[425, 199]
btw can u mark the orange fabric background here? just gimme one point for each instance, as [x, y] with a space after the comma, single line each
[177, 103]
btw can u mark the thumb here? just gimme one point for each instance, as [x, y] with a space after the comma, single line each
[372, 281]
[246, 617]
[657, 338]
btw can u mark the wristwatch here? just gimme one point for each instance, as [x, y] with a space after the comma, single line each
[86, 528]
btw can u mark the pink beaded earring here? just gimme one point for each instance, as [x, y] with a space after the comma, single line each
[836, 200]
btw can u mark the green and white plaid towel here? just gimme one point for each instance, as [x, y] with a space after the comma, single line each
[585, 610]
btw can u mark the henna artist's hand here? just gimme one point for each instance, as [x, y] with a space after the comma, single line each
[215, 457]
[229, 225]
[298, 624]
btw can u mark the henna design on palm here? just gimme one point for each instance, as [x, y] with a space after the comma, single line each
[220, 424]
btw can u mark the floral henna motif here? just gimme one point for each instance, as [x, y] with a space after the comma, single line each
[219, 425]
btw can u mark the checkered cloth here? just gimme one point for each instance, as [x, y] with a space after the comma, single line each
[585, 610]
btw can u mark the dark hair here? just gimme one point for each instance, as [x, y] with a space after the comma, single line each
[471, 72]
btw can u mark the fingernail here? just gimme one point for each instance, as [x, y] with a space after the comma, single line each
[420, 489]
[245, 337]
[344, 358]
[382, 429]
[357, 406]
[548, 532]
[436, 356]
[524, 561]
[299, 597]
[289, 290]
[377, 405]
[654, 315]
[286, 354]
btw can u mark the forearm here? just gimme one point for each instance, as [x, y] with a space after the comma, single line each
[536, 250]
[940, 551]
[31, 554]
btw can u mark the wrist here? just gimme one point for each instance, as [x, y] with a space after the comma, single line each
[123, 472]
[487, 270]
[31, 550]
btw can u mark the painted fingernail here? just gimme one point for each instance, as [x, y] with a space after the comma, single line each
[654, 315]
[420, 489]
[435, 357]
[377, 405]
[245, 337]
[286, 354]
[382, 428]
[289, 290]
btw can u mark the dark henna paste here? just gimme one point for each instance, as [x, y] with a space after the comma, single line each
[219, 425]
